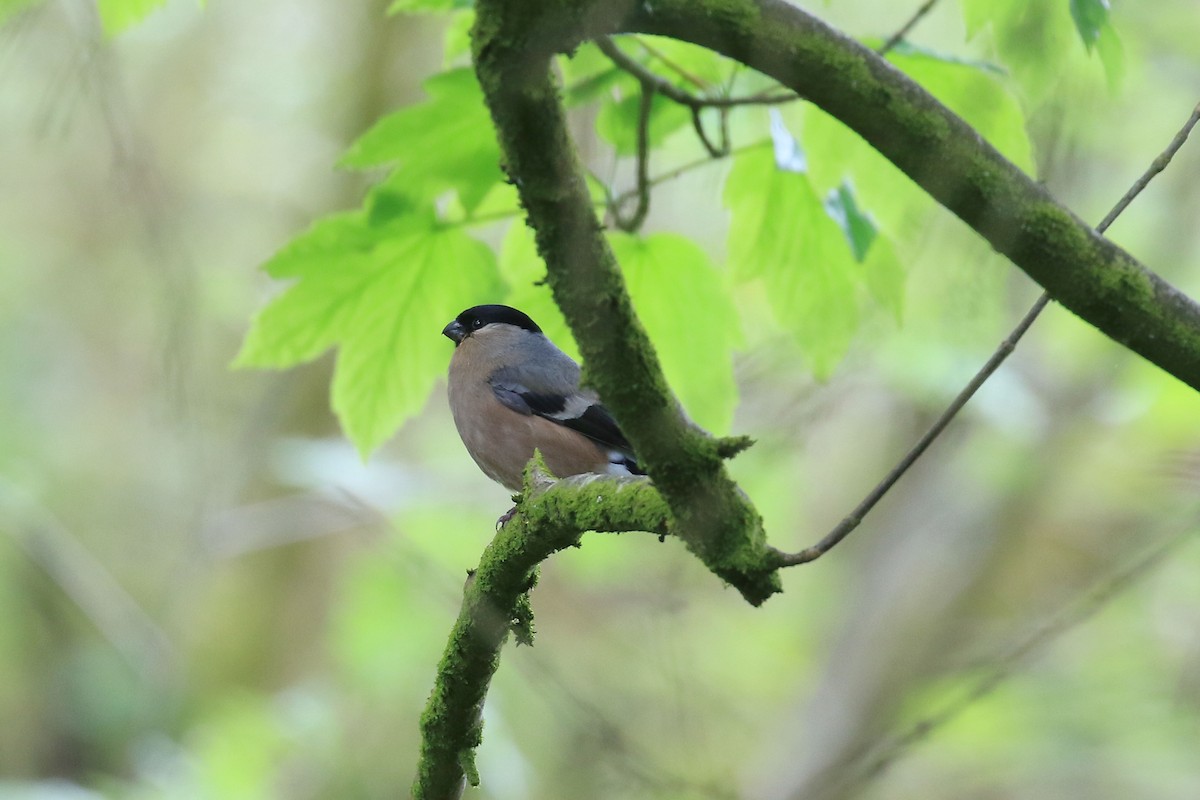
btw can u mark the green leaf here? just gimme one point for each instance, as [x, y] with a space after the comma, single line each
[117, 16]
[781, 233]
[588, 74]
[898, 206]
[885, 277]
[688, 65]
[977, 95]
[1112, 57]
[617, 122]
[682, 301]
[447, 142]
[380, 294]
[881, 269]
[857, 226]
[906, 48]
[1032, 37]
[457, 42]
[1091, 17]
[426, 6]
[524, 271]
[673, 284]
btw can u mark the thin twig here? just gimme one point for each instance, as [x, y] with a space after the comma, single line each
[674, 93]
[899, 35]
[651, 80]
[1002, 352]
[652, 83]
[634, 222]
[713, 150]
[856, 516]
[672, 65]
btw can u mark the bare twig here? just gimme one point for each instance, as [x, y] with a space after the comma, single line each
[907, 27]
[671, 64]
[1002, 352]
[713, 150]
[683, 169]
[634, 222]
[696, 104]
[674, 93]
[651, 84]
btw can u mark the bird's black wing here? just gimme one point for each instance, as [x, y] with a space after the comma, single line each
[577, 412]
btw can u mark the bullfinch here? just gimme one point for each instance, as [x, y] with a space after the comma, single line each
[511, 391]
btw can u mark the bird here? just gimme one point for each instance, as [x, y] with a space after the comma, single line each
[511, 391]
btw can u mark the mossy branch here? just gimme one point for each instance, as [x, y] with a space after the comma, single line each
[550, 515]
[1086, 273]
[714, 518]
[512, 43]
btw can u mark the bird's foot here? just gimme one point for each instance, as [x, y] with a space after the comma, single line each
[505, 517]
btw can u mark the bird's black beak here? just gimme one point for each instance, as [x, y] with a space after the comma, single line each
[455, 332]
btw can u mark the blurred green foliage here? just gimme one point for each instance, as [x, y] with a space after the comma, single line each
[205, 591]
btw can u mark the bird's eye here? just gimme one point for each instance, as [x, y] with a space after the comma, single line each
[476, 324]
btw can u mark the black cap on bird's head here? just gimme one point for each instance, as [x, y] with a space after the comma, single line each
[478, 317]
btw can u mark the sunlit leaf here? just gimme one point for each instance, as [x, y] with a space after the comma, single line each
[1091, 17]
[858, 227]
[119, 15]
[525, 273]
[617, 122]
[885, 277]
[679, 296]
[588, 74]
[446, 142]
[427, 6]
[906, 48]
[975, 94]
[458, 36]
[690, 66]
[880, 268]
[782, 233]
[837, 154]
[1032, 37]
[682, 300]
[381, 294]
[1112, 56]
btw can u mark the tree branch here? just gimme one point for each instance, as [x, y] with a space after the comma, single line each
[1086, 273]
[673, 92]
[651, 84]
[1002, 352]
[512, 44]
[551, 515]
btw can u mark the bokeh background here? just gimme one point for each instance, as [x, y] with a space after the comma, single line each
[205, 592]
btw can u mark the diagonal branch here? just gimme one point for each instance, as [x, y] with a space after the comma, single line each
[855, 517]
[512, 44]
[1086, 273]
